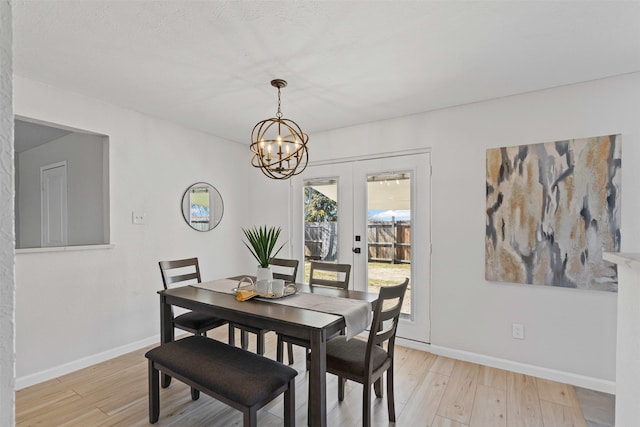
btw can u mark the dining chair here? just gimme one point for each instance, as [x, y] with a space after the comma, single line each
[291, 268]
[287, 269]
[321, 274]
[366, 361]
[185, 271]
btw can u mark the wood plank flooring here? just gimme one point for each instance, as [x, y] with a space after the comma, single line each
[431, 391]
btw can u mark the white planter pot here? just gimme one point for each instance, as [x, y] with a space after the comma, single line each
[264, 276]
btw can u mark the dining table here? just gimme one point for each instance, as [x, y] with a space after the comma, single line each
[217, 298]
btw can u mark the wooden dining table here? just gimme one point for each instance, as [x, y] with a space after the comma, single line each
[310, 325]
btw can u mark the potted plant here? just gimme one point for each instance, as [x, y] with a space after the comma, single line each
[262, 245]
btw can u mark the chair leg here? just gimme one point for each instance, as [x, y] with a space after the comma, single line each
[279, 349]
[290, 351]
[232, 335]
[391, 406]
[377, 387]
[366, 405]
[166, 380]
[244, 339]
[260, 343]
[154, 394]
[341, 382]
[290, 405]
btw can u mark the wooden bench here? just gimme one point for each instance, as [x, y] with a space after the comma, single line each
[238, 378]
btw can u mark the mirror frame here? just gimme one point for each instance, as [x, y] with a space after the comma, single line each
[215, 207]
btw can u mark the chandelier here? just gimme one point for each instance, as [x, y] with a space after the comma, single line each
[279, 146]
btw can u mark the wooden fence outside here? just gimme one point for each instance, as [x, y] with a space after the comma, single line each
[389, 241]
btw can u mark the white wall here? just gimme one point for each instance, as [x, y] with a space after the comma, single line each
[7, 282]
[84, 156]
[76, 308]
[569, 334]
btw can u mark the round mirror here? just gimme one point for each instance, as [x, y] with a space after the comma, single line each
[202, 206]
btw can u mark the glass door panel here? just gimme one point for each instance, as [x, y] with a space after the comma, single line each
[320, 196]
[391, 220]
[322, 215]
[389, 232]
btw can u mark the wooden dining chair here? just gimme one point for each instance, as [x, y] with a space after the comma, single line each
[183, 272]
[287, 269]
[366, 361]
[291, 268]
[329, 274]
[321, 274]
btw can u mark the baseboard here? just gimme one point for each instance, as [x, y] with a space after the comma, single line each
[416, 345]
[522, 368]
[48, 374]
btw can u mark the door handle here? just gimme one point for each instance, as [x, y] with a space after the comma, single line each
[356, 250]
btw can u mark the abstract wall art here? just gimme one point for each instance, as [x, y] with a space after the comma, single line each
[552, 210]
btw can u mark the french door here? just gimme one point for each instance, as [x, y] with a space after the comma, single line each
[373, 214]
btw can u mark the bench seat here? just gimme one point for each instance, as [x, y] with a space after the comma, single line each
[238, 378]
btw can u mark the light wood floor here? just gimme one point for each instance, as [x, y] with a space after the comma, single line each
[430, 391]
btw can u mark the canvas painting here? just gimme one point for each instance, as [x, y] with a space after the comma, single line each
[552, 210]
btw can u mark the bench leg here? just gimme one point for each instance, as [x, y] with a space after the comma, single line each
[154, 394]
[250, 417]
[290, 405]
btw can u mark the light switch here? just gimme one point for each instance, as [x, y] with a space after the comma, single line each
[138, 217]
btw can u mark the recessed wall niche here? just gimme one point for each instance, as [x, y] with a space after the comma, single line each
[62, 186]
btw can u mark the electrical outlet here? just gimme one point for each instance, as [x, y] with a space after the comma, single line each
[517, 331]
[138, 217]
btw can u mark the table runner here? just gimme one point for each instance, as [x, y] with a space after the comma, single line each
[356, 313]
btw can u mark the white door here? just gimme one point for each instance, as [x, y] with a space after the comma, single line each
[53, 182]
[374, 215]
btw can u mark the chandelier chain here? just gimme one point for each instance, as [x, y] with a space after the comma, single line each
[279, 113]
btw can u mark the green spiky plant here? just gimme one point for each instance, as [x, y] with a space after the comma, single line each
[263, 242]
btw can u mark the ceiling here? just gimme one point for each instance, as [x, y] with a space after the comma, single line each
[208, 64]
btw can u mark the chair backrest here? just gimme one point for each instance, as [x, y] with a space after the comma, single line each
[290, 264]
[334, 272]
[187, 270]
[385, 319]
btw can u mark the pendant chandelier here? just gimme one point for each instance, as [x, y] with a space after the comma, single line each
[279, 146]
